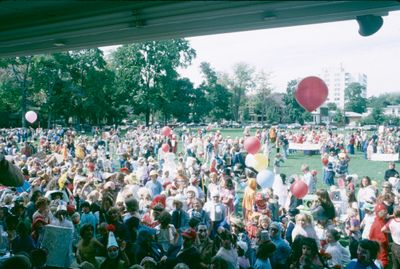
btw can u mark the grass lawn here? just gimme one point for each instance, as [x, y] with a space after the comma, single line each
[358, 165]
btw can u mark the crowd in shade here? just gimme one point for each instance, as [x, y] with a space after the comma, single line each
[163, 198]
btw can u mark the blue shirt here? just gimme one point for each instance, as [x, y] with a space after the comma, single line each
[357, 265]
[89, 218]
[262, 264]
[154, 187]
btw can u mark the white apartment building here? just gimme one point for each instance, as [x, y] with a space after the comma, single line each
[337, 79]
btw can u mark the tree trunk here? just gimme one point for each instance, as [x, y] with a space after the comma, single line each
[49, 120]
[147, 114]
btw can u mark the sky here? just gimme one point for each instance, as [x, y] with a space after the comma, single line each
[295, 52]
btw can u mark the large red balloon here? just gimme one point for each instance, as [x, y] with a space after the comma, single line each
[252, 145]
[166, 131]
[311, 93]
[325, 161]
[165, 147]
[299, 189]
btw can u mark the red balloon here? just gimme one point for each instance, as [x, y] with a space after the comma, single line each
[252, 145]
[166, 131]
[299, 189]
[311, 93]
[165, 148]
[325, 161]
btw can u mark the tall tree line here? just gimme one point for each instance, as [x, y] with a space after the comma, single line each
[141, 81]
[137, 80]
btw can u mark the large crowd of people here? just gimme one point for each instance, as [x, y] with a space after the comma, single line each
[189, 199]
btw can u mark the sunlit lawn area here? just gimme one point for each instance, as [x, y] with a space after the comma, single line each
[358, 165]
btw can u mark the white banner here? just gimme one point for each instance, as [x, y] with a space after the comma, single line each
[385, 157]
[304, 146]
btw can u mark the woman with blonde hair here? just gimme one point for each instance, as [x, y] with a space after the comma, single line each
[304, 227]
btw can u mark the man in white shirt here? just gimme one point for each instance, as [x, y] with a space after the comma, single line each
[309, 179]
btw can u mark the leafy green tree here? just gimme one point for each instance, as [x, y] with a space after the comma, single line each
[263, 90]
[332, 106]
[293, 112]
[49, 79]
[273, 111]
[92, 82]
[16, 73]
[354, 100]
[218, 98]
[143, 69]
[339, 116]
[377, 115]
[176, 99]
[384, 100]
[240, 84]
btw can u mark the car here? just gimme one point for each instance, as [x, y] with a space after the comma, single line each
[294, 126]
[370, 128]
[331, 127]
[351, 128]
[282, 126]
[235, 125]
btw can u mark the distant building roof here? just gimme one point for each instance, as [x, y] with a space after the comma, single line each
[351, 114]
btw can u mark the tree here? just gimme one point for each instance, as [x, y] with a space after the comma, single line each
[377, 115]
[384, 100]
[17, 70]
[354, 100]
[50, 77]
[217, 97]
[339, 117]
[273, 110]
[263, 90]
[293, 112]
[332, 106]
[143, 69]
[239, 85]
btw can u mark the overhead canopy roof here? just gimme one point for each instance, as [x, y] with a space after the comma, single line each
[32, 27]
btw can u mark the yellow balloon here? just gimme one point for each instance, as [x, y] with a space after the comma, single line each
[261, 162]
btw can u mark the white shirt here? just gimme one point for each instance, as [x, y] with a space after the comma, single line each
[366, 194]
[394, 227]
[367, 221]
[230, 256]
[340, 255]
[217, 212]
[309, 180]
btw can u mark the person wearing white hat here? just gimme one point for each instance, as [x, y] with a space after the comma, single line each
[154, 185]
[116, 256]
[61, 217]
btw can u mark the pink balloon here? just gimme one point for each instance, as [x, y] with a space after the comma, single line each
[31, 116]
[311, 93]
[299, 189]
[252, 145]
[166, 131]
[165, 148]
